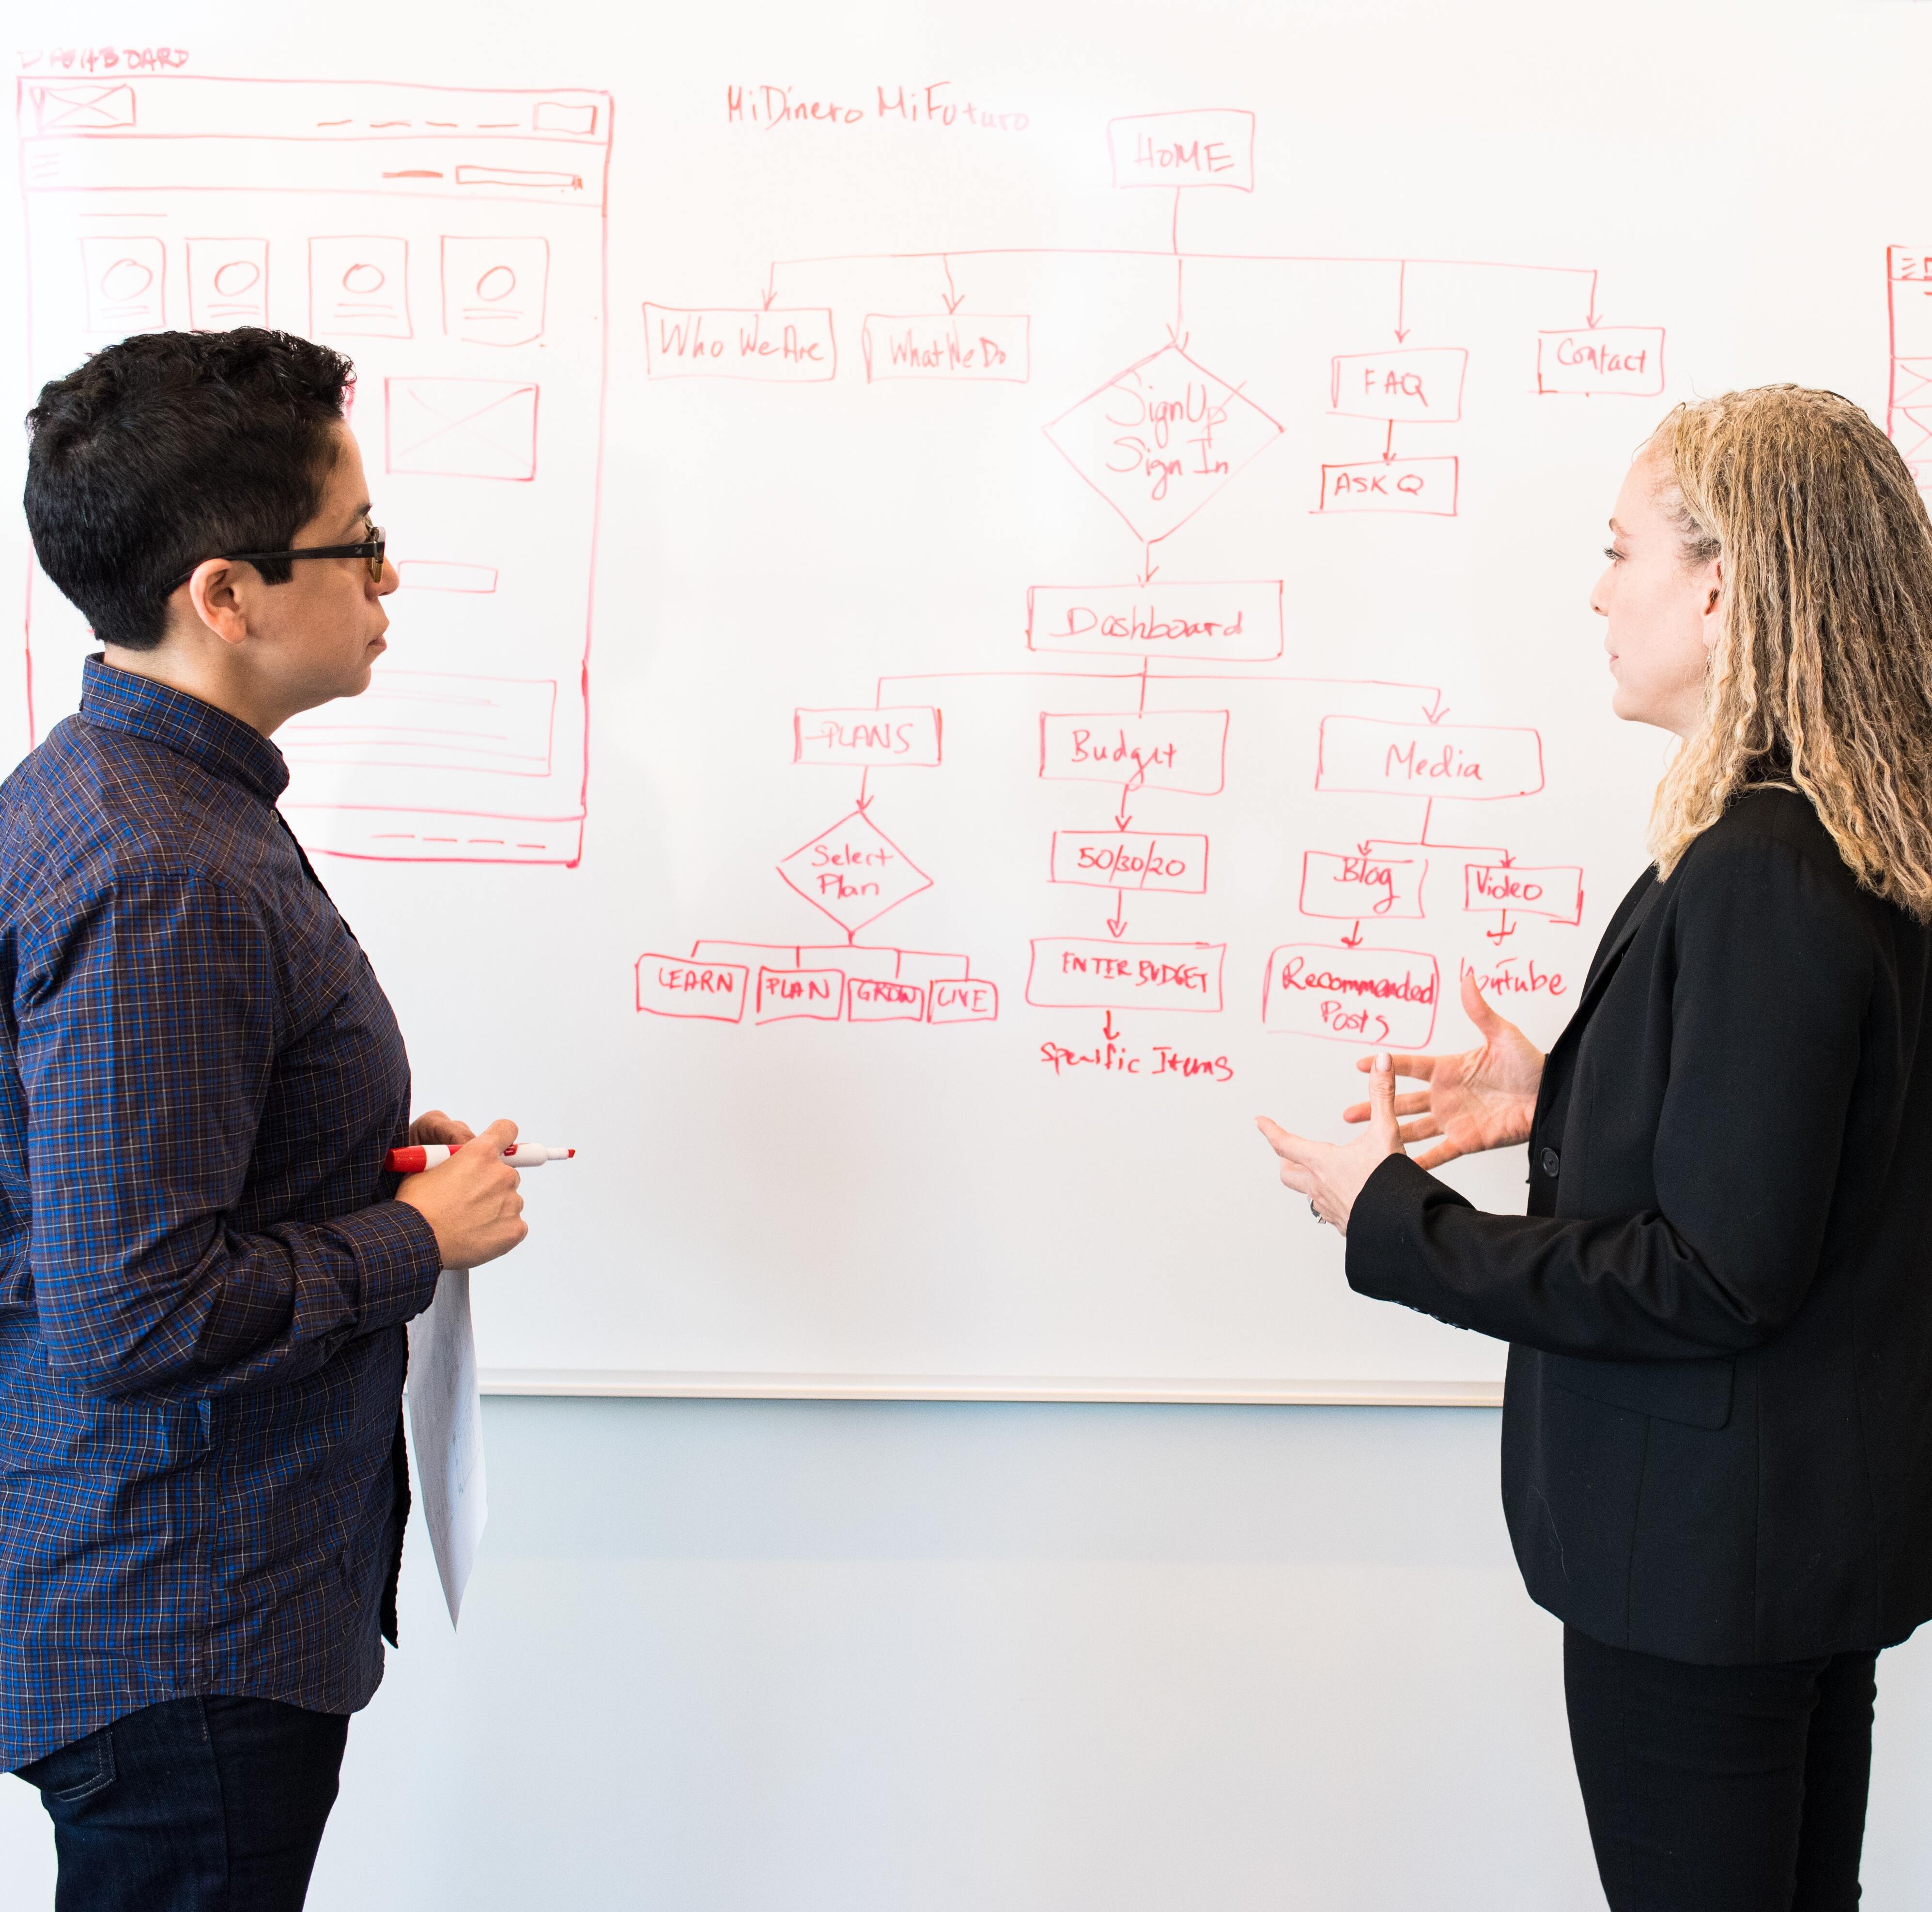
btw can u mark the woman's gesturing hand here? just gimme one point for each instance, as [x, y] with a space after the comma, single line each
[1484, 1098]
[1331, 1177]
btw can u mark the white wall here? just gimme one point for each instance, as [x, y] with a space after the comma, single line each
[899, 1658]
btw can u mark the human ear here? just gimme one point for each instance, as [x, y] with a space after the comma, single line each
[1714, 598]
[214, 591]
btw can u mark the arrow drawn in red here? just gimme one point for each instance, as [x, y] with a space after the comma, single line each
[1150, 571]
[771, 286]
[1121, 817]
[1436, 710]
[1506, 859]
[1508, 930]
[1108, 1029]
[865, 801]
[1353, 939]
[953, 296]
[1117, 923]
[1388, 443]
[1401, 299]
[1592, 320]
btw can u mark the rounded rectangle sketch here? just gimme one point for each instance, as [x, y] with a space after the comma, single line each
[1156, 750]
[791, 345]
[1423, 487]
[359, 287]
[481, 428]
[1609, 361]
[227, 284]
[1362, 884]
[681, 986]
[1367, 997]
[528, 178]
[1212, 623]
[787, 995]
[127, 282]
[1556, 892]
[986, 346]
[883, 999]
[1161, 438]
[1083, 973]
[1205, 146]
[1410, 385]
[962, 1000]
[494, 289]
[576, 119]
[1470, 762]
[904, 737]
[1130, 859]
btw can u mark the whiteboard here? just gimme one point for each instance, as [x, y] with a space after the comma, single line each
[987, 594]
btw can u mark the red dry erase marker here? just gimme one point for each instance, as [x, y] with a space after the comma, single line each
[518, 1154]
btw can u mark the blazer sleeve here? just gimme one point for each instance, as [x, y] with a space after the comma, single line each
[1772, 971]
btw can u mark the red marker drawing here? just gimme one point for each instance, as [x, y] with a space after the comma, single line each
[518, 1154]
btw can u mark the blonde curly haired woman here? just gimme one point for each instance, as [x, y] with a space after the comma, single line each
[1717, 1426]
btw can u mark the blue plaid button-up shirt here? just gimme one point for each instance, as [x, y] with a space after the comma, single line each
[201, 1288]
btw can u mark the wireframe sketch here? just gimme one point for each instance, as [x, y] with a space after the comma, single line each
[451, 242]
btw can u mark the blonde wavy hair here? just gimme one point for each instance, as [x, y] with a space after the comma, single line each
[1821, 679]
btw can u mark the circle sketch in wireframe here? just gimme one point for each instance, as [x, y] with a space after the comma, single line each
[126, 278]
[234, 277]
[364, 277]
[499, 283]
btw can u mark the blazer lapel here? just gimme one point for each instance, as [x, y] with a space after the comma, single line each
[1630, 918]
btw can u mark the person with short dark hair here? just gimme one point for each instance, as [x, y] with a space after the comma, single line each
[204, 1271]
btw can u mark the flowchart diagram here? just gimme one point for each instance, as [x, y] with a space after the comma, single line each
[451, 242]
[1144, 686]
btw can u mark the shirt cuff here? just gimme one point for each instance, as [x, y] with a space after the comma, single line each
[396, 1260]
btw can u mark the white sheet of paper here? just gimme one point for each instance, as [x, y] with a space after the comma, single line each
[446, 1430]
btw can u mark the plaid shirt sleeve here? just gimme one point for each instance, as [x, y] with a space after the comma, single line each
[148, 1031]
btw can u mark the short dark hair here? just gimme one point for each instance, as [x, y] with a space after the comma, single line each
[171, 447]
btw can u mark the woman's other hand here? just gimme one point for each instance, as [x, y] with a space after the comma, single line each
[1484, 1098]
[1332, 1176]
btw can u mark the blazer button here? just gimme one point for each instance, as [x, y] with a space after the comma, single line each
[1550, 1162]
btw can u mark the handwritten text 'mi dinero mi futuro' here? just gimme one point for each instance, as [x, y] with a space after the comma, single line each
[937, 102]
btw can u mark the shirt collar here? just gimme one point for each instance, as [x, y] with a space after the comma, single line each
[118, 700]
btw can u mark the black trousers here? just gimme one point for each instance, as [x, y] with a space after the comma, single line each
[1722, 1788]
[192, 1806]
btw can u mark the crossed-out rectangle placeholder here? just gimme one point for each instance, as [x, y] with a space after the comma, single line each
[484, 428]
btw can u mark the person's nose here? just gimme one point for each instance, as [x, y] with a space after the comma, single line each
[391, 577]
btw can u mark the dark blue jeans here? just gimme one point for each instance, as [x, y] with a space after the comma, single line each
[209, 1804]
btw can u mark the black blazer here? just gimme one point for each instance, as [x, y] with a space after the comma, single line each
[1718, 1424]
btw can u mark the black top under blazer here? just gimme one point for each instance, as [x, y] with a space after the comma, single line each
[1718, 1424]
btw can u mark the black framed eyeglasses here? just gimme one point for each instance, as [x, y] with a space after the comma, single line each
[370, 551]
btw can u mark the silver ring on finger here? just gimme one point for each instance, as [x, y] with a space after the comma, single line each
[1317, 1213]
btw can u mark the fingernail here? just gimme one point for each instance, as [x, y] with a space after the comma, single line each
[1382, 1063]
